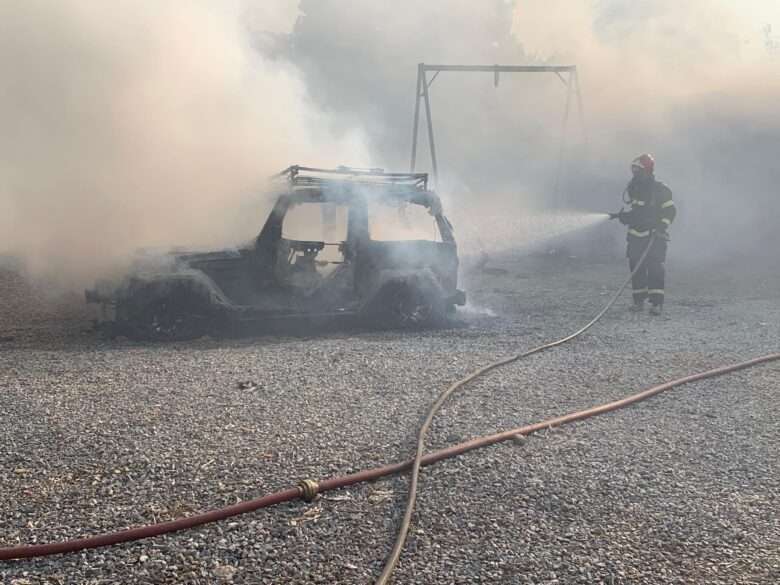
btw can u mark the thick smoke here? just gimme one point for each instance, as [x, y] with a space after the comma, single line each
[361, 66]
[695, 83]
[144, 124]
[157, 123]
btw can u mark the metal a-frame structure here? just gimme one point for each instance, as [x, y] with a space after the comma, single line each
[566, 73]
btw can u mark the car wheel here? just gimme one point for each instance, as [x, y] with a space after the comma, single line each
[410, 307]
[167, 320]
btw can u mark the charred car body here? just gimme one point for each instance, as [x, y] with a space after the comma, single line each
[337, 243]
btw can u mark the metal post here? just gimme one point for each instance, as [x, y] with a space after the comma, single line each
[416, 117]
[581, 112]
[431, 142]
[562, 151]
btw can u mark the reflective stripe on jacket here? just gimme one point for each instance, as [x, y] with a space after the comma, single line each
[652, 207]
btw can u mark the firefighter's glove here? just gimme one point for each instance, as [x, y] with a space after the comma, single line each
[621, 216]
[662, 234]
[614, 215]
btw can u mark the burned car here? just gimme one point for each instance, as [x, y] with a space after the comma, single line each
[347, 243]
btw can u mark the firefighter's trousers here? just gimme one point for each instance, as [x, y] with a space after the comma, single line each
[648, 282]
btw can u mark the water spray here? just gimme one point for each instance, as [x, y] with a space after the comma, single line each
[500, 233]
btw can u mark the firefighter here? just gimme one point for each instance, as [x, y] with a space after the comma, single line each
[651, 211]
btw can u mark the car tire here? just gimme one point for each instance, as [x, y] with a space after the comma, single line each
[168, 319]
[410, 306]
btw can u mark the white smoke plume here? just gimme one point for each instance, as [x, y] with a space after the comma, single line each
[693, 82]
[696, 83]
[156, 123]
[128, 124]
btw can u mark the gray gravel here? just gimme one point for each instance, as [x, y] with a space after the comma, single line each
[99, 436]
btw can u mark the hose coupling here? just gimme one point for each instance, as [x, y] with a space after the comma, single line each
[309, 489]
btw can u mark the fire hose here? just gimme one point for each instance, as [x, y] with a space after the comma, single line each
[307, 493]
[308, 489]
[403, 530]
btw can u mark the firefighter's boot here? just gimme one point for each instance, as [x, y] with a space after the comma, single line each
[656, 310]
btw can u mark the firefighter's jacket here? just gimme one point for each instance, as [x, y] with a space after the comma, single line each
[652, 208]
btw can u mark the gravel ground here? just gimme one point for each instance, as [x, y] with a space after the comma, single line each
[681, 489]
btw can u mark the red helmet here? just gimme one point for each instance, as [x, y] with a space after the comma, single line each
[644, 161]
